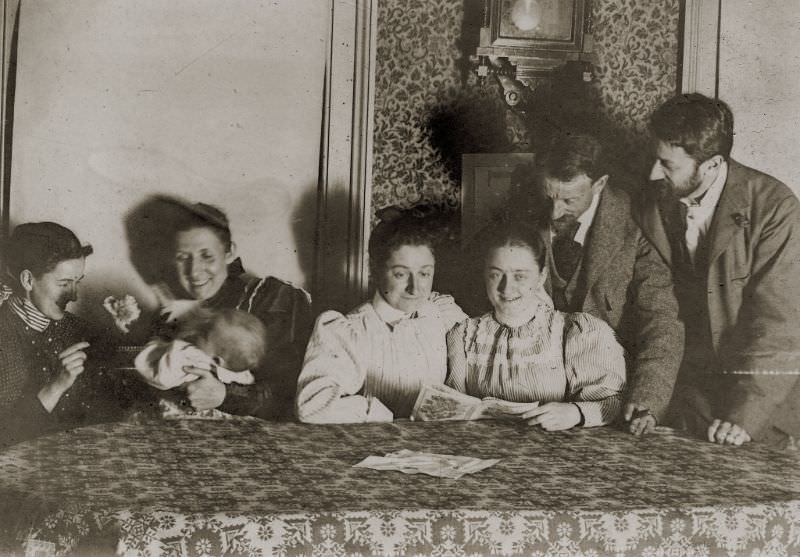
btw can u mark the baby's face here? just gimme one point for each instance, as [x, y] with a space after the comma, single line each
[224, 345]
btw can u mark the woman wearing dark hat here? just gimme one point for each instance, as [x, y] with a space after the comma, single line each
[43, 345]
[209, 275]
[370, 364]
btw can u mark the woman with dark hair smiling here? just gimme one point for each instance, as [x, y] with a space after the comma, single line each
[43, 347]
[370, 364]
[525, 351]
[211, 276]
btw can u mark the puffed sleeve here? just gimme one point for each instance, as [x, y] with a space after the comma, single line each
[457, 358]
[595, 367]
[333, 374]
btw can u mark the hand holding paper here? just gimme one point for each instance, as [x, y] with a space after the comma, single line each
[440, 402]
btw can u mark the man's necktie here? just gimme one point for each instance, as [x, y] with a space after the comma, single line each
[678, 226]
[566, 251]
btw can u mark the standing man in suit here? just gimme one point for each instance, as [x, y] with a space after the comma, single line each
[732, 236]
[601, 263]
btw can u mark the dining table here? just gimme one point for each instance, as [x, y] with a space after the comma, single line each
[244, 486]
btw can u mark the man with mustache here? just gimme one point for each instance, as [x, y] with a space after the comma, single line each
[732, 236]
[44, 346]
[600, 263]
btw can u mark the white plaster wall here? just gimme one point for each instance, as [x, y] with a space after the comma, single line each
[215, 101]
[759, 76]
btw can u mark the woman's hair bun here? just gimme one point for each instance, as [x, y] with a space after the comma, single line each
[393, 213]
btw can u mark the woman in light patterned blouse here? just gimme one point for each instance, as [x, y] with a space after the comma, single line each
[526, 351]
[370, 364]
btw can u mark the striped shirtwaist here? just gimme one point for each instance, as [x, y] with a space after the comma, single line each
[555, 357]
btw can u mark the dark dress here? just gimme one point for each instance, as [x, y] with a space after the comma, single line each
[29, 361]
[285, 311]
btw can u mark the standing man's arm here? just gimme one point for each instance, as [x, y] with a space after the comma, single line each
[762, 352]
[659, 340]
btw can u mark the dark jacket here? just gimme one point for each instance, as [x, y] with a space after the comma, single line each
[625, 281]
[29, 361]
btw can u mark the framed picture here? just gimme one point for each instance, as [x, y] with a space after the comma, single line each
[536, 25]
[486, 183]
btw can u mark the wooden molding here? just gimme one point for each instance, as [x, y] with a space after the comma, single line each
[8, 47]
[345, 186]
[700, 47]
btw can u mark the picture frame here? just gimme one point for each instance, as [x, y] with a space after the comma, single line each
[558, 24]
[535, 35]
[487, 180]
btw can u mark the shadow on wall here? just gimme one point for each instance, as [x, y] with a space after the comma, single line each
[565, 103]
[474, 120]
[477, 121]
[333, 272]
[467, 124]
[150, 227]
[304, 231]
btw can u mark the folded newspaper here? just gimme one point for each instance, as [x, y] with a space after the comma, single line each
[432, 464]
[440, 402]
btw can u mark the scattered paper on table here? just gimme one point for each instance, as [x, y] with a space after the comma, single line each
[415, 462]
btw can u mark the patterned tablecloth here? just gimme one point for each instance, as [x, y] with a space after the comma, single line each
[247, 487]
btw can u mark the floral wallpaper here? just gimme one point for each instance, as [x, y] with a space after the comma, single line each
[427, 108]
[430, 107]
[636, 42]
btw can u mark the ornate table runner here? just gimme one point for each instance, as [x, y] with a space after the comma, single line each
[252, 487]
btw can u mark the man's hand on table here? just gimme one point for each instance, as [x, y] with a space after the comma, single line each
[640, 419]
[727, 433]
[207, 391]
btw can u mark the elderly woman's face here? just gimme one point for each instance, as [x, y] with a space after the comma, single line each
[408, 277]
[201, 262]
[513, 279]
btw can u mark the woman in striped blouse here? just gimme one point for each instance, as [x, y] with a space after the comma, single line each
[525, 351]
[370, 364]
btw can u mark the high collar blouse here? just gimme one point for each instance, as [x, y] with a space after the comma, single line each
[555, 357]
[370, 364]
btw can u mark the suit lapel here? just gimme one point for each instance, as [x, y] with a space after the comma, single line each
[652, 226]
[733, 201]
[544, 232]
[606, 237]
